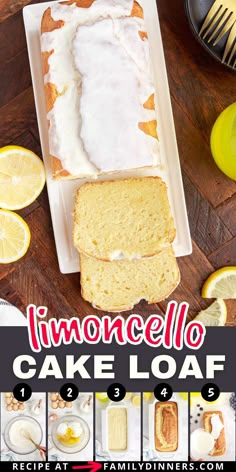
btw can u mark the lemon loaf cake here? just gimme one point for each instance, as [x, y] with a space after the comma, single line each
[119, 285]
[123, 219]
[99, 88]
[166, 426]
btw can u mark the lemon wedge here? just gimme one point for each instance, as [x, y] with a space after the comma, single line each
[136, 400]
[102, 397]
[221, 284]
[214, 315]
[14, 237]
[22, 177]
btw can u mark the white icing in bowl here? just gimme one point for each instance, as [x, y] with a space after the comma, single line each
[201, 443]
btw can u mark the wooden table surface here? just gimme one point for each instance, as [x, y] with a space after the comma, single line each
[200, 89]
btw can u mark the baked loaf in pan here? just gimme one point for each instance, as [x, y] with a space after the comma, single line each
[220, 442]
[123, 219]
[166, 426]
[98, 87]
[119, 285]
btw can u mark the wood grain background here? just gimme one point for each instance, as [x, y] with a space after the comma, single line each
[200, 89]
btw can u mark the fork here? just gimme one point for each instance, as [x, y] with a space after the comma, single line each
[230, 45]
[219, 19]
[232, 57]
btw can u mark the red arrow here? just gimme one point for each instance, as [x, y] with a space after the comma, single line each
[93, 466]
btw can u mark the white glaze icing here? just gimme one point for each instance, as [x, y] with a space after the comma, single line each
[216, 425]
[114, 140]
[64, 134]
[98, 9]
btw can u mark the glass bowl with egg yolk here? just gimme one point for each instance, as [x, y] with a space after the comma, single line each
[70, 434]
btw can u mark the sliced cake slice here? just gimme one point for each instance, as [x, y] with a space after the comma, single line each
[123, 219]
[119, 285]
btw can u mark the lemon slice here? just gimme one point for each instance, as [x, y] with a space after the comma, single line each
[214, 315]
[221, 284]
[14, 237]
[22, 177]
[136, 400]
[102, 397]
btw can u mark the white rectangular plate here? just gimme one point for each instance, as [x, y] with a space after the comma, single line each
[61, 194]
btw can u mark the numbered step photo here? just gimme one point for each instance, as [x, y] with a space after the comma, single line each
[212, 425]
[70, 426]
[118, 427]
[23, 426]
[165, 426]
